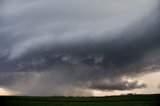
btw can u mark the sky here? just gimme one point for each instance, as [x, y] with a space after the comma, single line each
[79, 47]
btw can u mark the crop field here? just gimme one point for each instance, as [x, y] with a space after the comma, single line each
[127, 100]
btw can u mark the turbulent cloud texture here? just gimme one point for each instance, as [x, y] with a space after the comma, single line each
[117, 85]
[77, 45]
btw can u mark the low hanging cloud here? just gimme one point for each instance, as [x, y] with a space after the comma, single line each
[66, 44]
[117, 85]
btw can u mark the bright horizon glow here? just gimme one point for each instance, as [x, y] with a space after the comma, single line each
[7, 92]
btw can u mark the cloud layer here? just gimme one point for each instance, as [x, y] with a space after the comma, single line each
[91, 44]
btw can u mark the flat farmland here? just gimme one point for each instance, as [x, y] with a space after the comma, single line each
[127, 100]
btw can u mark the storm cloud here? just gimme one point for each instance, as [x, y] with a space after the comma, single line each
[117, 85]
[77, 45]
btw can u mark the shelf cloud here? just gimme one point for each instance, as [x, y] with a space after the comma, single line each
[77, 45]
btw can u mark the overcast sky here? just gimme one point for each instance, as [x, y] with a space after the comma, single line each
[79, 47]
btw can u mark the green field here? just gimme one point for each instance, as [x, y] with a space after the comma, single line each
[128, 100]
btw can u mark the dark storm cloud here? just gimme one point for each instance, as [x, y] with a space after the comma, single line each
[117, 85]
[75, 45]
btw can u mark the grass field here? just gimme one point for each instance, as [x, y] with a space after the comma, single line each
[128, 100]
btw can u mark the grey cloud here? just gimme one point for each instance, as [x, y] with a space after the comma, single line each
[50, 83]
[117, 85]
[33, 30]
[158, 86]
[83, 41]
